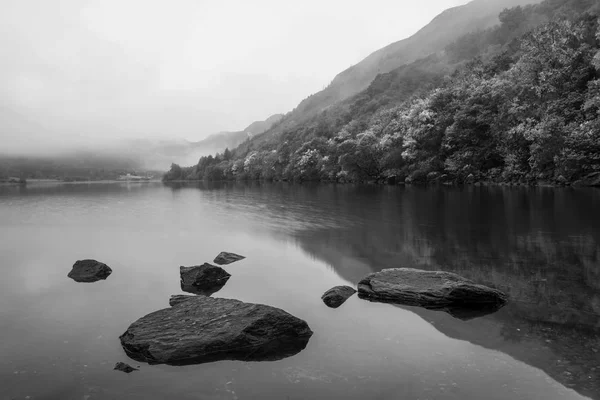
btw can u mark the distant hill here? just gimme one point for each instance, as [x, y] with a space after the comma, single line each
[218, 142]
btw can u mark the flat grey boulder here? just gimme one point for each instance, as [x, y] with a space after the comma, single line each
[336, 296]
[204, 279]
[436, 290]
[204, 329]
[89, 271]
[225, 258]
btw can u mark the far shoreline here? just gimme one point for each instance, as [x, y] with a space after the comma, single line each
[58, 181]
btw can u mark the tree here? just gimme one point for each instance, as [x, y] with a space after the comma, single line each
[174, 174]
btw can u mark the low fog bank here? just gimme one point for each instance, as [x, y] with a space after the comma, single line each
[100, 161]
[78, 157]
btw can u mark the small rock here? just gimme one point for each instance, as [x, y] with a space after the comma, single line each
[121, 366]
[89, 271]
[225, 258]
[336, 296]
[204, 279]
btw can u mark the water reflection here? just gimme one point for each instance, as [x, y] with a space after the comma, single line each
[274, 350]
[541, 246]
[462, 312]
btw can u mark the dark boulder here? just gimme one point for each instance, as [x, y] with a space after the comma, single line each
[121, 366]
[89, 271]
[205, 329]
[204, 279]
[436, 290]
[225, 258]
[336, 296]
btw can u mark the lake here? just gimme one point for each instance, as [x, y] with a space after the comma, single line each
[60, 339]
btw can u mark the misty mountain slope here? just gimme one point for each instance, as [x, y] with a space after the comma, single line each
[220, 141]
[518, 102]
[424, 51]
[441, 31]
[386, 89]
[259, 127]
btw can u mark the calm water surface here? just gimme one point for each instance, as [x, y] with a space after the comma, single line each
[542, 246]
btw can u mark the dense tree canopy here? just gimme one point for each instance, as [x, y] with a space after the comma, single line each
[516, 103]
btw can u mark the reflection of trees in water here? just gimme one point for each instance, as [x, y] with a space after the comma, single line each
[541, 246]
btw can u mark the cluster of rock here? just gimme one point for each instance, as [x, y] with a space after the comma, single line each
[435, 290]
[198, 328]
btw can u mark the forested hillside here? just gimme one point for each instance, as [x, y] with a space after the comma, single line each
[517, 102]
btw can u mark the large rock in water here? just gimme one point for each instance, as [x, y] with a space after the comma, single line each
[89, 271]
[225, 258]
[436, 290]
[336, 296]
[204, 279]
[204, 329]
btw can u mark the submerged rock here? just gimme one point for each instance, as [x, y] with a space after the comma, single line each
[89, 271]
[121, 366]
[225, 258]
[204, 329]
[436, 290]
[204, 279]
[336, 296]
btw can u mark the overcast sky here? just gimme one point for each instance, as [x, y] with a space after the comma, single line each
[82, 70]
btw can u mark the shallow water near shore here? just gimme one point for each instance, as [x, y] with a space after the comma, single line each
[540, 245]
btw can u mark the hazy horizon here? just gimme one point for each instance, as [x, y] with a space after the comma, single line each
[87, 73]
